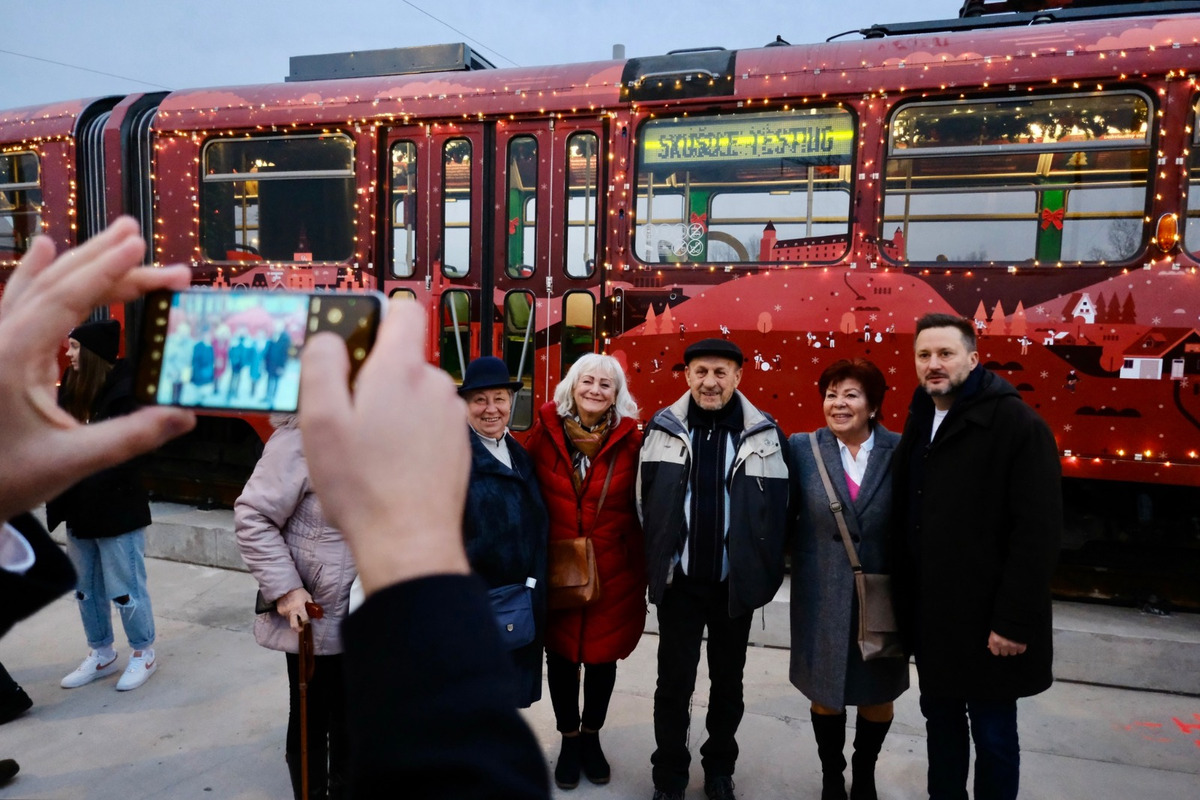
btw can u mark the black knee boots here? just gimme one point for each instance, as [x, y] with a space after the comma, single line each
[830, 732]
[868, 741]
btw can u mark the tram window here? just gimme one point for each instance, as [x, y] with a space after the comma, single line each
[729, 188]
[1191, 226]
[583, 177]
[455, 341]
[403, 294]
[404, 209]
[278, 198]
[518, 349]
[456, 208]
[1033, 180]
[578, 330]
[20, 203]
[522, 207]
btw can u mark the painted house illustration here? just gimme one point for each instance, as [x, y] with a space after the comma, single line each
[819, 248]
[1080, 305]
[1171, 351]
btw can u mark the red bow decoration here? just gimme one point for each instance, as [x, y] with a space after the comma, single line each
[699, 219]
[1054, 218]
[515, 221]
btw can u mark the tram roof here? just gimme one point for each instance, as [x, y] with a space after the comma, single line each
[45, 121]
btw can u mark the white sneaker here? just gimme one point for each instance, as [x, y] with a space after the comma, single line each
[93, 667]
[138, 671]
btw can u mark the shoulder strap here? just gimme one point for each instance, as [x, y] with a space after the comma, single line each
[612, 467]
[835, 505]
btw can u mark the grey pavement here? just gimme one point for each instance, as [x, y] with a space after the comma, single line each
[210, 723]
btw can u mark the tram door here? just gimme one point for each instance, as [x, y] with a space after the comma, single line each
[494, 226]
[547, 249]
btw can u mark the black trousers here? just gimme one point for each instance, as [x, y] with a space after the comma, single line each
[328, 753]
[689, 607]
[563, 678]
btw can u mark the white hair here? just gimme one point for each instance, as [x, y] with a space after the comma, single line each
[564, 395]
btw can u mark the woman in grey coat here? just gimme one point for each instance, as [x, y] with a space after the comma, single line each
[825, 662]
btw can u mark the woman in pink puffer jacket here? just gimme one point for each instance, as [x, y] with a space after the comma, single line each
[296, 557]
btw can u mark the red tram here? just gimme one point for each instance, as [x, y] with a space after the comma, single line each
[1029, 169]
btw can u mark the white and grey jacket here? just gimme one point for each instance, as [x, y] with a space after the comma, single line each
[758, 503]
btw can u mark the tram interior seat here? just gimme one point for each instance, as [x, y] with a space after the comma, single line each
[456, 306]
[517, 318]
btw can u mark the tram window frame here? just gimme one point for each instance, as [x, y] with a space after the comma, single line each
[521, 204]
[1190, 231]
[20, 203]
[796, 159]
[302, 212]
[570, 352]
[462, 228]
[405, 294]
[405, 209]
[581, 207]
[516, 340]
[1102, 167]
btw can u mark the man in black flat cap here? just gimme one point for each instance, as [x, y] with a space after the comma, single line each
[713, 497]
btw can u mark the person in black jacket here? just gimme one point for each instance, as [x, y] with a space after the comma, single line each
[978, 504]
[106, 516]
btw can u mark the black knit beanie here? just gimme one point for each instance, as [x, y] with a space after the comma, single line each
[103, 338]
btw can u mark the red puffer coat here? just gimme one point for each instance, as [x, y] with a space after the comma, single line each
[610, 628]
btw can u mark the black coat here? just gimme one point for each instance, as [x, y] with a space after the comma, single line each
[112, 501]
[50, 575]
[427, 708]
[505, 530]
[979, 520]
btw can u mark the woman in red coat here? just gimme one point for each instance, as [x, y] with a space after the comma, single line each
[587, 432]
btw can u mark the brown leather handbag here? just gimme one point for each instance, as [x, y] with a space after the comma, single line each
[571, 570]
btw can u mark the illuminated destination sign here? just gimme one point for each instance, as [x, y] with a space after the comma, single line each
[825, 138]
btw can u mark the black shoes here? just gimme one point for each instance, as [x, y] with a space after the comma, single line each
[8, 770]
[13, 704]
[566, 771]
[719, 788]
[595, 765]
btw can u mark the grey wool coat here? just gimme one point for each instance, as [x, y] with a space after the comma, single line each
[825, 662]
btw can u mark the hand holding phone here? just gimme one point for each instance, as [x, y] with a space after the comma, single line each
[239, 350]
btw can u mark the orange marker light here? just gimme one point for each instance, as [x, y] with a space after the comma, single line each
[1166, 235]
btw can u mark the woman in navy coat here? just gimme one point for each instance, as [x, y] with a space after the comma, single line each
[825, 661]
[505, 523]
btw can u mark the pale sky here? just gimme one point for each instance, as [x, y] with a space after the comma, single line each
[55, 49]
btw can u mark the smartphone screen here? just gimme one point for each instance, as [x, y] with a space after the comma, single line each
[239, 350]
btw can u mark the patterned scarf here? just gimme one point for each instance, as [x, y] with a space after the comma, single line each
[584, 444]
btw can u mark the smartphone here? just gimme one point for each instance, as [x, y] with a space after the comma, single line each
[239, 349]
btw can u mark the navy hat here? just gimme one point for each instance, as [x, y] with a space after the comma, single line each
[713, 347]
[102, 338]
[487, 372]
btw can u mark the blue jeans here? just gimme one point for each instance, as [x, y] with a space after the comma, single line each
[113, 570]
[993, 726]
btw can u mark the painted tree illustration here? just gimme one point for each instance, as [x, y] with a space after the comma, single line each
[980, 317]
[651, 321]
[1129, 310]
[1017, 328]
[1114, 309]
[666, 320]
[999, 326]
[1101, 309]
[764, 322]
[1068, 312]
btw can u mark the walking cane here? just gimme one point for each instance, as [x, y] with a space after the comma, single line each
[307, 667]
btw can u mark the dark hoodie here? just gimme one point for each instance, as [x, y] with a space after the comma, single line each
[112, 501]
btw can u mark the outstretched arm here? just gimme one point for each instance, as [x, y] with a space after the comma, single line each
[45, 449]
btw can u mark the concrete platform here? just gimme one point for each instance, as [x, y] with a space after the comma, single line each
[1097, 644]
[210, 723]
